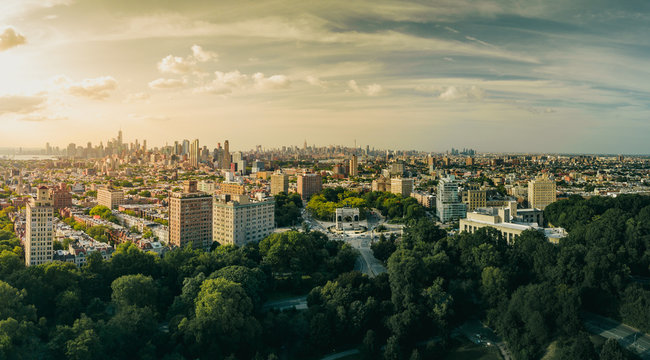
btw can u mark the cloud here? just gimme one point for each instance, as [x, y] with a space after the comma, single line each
[94, 88]
[175, 65]
[42, 118]
[137, 97]
[370, 90]
[20, 104]
[203, 56]
[453, 93]
[161, 83]
[9, 38]
[373, 90]
[273, 82]
[185, 65]
[153, 118]
[229, 82]
[315, 81]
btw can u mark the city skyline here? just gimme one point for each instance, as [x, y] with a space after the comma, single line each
[499, 76]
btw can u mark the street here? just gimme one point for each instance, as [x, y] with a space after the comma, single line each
[628, 337]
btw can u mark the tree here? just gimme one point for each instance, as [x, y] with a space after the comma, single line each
[223, 317]
[383, 248]
[611, 350]
[136, 290]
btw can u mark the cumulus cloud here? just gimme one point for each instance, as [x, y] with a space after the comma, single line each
[229, 82]
[370, 90]
[94, 88]
[315, 81]
[202, 55]
[184, 65]
[10, 38]
[271, 83]
[454, 93]
[161, 83]
[20, 104]
[175, 65]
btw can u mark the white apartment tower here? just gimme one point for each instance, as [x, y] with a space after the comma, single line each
[237, 220]
[39, 232]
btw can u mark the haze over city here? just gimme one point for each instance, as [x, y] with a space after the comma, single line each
[510, 76]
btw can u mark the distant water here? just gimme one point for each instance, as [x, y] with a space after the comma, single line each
[28, 157]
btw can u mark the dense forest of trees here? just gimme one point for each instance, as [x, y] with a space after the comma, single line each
[397, 208]
[209, 305]
[287, 209]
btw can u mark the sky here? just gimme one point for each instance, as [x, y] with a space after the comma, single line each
[552, 76]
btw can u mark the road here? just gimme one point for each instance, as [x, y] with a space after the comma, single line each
[366, 262]
[298, 303]
[478, 333]
[629, 337]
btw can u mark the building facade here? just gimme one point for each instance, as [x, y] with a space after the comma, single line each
[541, 192]
[237, 220]
[401, 186]
[279, 183]
[194, 153]
[39, 229]
[354, 166]
[232, 188]
[448, 205]
[309, 184]
[61, 197]
[109, 197]
[190, 217]
[475, 199]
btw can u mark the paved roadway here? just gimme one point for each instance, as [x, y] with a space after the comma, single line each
[366, 262]
[298, 303]
[627, 336]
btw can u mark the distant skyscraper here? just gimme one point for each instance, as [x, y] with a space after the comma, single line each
[190, 217]
[39, 228]
[354, 166]
[541, 192]
[194, 154]
[225, 161]
[186, 147]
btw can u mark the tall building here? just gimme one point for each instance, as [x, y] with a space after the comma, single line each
[401, 186]
[448, 205]
[110, 197]
[541, 192]
[279, 183]
[237, 220]
[309, 184]
[39, 232]
[186, 147]
[354, 166]
[190, 217]
[61, 197]
[225, 160]
[194, 154]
